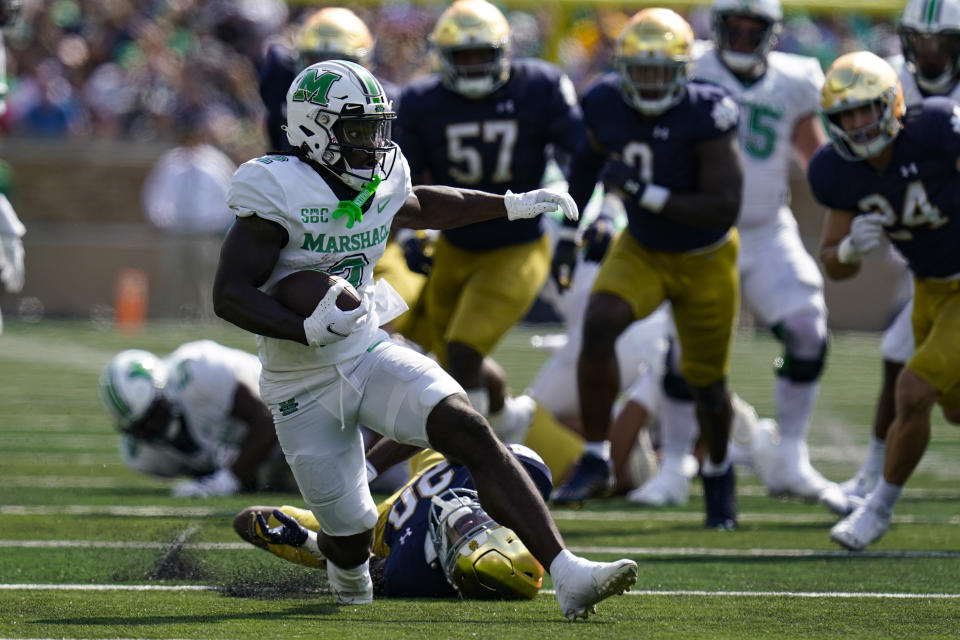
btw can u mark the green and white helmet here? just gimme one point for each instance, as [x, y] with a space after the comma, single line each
[768, 11]
[130, 384]
[930, 36]
[335, 107]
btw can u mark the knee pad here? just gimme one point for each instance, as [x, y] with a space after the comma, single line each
[804, 339]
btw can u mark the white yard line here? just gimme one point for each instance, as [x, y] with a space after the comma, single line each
[593, 549]
[679, 592]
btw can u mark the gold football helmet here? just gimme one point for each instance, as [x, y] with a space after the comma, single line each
[471, 41]
[481, 559]
[862, 81]
[653, 58]
[334, 33]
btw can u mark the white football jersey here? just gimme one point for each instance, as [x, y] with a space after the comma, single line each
[291, 193]
[769, 111]
[911, 92]
[202, 385]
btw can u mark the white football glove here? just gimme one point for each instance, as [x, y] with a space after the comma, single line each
[865, 234]
[11, 262]
[219, 483]
[533, 203]
[328, 323]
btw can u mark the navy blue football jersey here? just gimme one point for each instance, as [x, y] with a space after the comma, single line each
[662, 148]
[918, 192]
[279, 70]
[498, 142]
[406, 572]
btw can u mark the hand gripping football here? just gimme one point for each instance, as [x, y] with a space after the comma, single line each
[302, 290]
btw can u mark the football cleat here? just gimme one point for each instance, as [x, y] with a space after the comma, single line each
[652, 56]
[334, 33]
[351, 586]
[930, 39]
[591, 479]
[719, 495]
[247, 527]
[859, 485]
[669, 487]
[478, 31]
[833, 498]
[864, 526]
[856, 80]
[587, 583]
[792, 475]
[512, 423]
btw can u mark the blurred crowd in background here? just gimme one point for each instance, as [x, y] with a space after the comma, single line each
[145, 70]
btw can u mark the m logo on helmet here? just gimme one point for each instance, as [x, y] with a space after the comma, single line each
[315, 88]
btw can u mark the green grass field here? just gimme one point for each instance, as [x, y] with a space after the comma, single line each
[89, 549]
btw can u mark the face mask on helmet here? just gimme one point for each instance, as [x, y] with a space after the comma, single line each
[862, 104]
[339, 117]
[131, 387]
[480, 558]
[471, 41]
[744, 39]
[652, 56]
[9, 11]
[932, 58]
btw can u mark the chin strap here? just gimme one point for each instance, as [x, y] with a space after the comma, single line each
[352, 208]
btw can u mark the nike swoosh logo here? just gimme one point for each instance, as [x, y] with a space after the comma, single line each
[336, 333]
[380, 207]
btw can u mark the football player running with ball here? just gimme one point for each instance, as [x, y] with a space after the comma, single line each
[330, 206]
[669, 147]
[485, 121]
[779, 95]
[892, 171]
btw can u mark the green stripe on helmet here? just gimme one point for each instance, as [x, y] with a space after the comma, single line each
[374, 90]
[115, 398]
[930, 14]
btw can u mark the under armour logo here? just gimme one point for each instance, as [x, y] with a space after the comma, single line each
[406, 534]
[506, 106]
[909, 169]
[662, 133]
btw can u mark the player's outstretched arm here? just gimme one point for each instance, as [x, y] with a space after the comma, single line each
[248, 255]
[441, 207]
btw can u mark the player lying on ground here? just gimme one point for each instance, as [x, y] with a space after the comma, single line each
[432, 538]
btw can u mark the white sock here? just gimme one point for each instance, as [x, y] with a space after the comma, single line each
[564, 561]
[480, 399]
[678, 426]
[873, 465]
[885, 496]
[599, 449]
[712, 470]
[795, 402]
[353, 578]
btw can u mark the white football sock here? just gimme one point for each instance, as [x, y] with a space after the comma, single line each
[599, 449]
[884, 496]
[795, 401]
[480, 399]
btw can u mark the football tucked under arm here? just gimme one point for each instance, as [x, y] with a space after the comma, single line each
[331, 308]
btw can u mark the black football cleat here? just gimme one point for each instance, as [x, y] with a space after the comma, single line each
[590, 479]
[719, 493]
